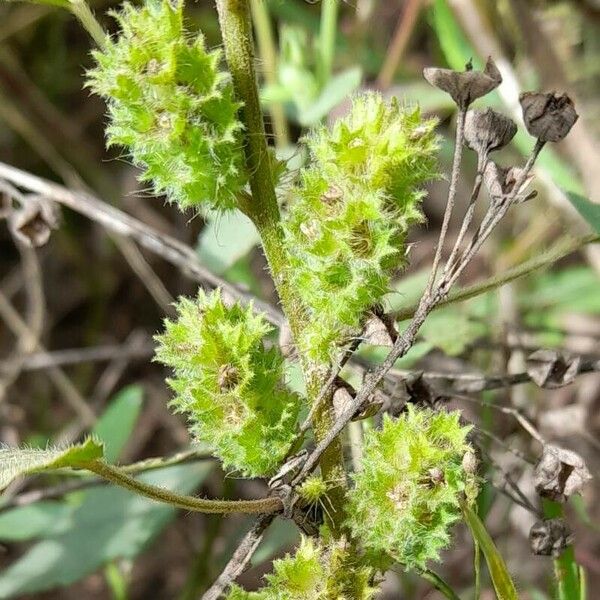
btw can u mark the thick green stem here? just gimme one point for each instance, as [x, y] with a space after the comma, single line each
[119, 477]
[262, 208]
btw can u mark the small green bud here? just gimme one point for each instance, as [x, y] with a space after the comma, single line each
[172, 106]
[407, 494]
[228, 384]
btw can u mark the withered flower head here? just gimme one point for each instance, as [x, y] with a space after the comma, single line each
[465, 86]
[34, 220]
[550, 537]
[560, 473]
[488, 130]
[500, 182]
[548, 116]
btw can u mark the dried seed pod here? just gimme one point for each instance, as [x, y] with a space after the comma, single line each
[34, 220]
[229, 377]
[500, 182]
[549, 537]
[377, 332]
[469, 462]
[341, 399]
[548, 116]
[550, 369]
[488, 130]
[421, 393]
[560, 473]
[465, 86]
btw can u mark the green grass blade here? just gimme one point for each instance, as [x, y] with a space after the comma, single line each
[503, 583]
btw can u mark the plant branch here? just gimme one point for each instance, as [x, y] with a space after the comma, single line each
[428, 302]
[119, 222]
[559, 251]
[460, 131]
[241, 558]
[121, 478]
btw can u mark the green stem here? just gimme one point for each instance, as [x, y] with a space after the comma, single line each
[327, 36]
[559, 251]
[439, 584]
[118, 477]
[86, 17]
[262, 208]
[268, 55]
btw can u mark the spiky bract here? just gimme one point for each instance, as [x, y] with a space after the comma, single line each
[407, 494]
[228, 384]
[169, 103]
[349, 217]
[314, 573]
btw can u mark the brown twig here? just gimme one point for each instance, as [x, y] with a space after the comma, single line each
[241, 558]
[116, 221]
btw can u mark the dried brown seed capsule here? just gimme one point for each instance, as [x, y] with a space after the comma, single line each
[469, 463]
[549, 537]
[500, 182]
[488, 130]
[333, 194]
[228, 377]
[548, 116]
[436, 476]
[34, 220]
[551, 369]
[560, 473]
[465, 86]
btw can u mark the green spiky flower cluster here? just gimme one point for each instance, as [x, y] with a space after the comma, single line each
[347, 223]
[407, 495]
[314, 573]
[228, 384]
[169, 103]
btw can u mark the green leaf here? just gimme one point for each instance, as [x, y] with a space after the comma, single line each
[588, 210]
[115, 425]
[225, 239]
[34, 521]
[340, 86]
[107, 523]
[503, 584]
[16, 462]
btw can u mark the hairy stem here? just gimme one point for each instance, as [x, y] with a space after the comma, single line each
[262, 208]
[120, 478]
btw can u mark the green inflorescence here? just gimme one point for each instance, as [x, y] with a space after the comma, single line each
[171, 105]
[314, 573]
[407, 494]
[228, 384]
[349, 217]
